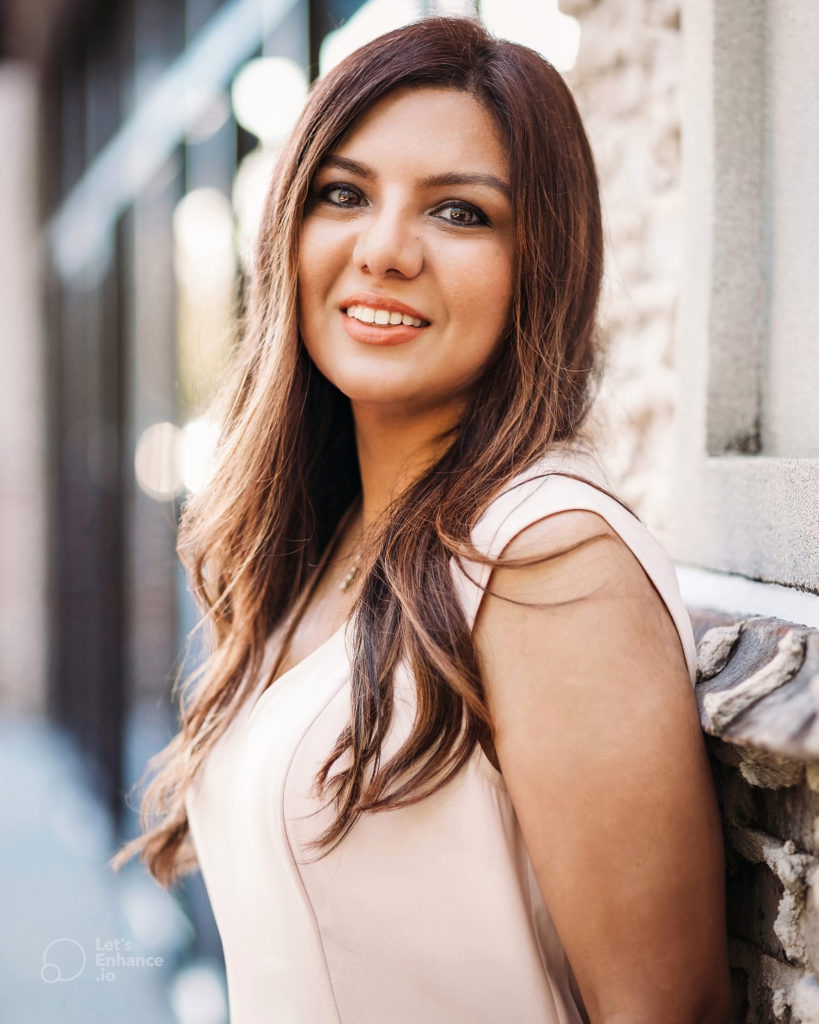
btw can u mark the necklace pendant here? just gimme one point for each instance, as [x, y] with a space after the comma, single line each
[351, 574]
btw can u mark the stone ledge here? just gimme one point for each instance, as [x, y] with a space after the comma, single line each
[758, 687]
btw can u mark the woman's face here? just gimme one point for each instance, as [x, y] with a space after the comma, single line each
[407, 253]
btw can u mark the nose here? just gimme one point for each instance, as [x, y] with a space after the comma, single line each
[387, 243]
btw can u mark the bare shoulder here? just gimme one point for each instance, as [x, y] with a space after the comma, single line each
[560, 530]
[597, 735]
[580, 600]
[572, 554]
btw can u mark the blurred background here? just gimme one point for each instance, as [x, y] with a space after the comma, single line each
[137, 141]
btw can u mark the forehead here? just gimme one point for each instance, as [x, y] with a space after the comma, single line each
[437, 125]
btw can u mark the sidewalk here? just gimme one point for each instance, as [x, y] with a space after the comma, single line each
[80, 944]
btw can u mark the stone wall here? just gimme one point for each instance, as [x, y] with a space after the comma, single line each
[758, 687]
[758, 693]
[627, 85]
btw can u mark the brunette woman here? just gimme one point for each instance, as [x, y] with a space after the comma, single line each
[444, 764]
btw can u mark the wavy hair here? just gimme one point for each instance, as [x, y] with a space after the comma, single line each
[286, 457]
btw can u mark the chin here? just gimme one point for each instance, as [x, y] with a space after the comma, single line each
[361, 384]
[367, 394]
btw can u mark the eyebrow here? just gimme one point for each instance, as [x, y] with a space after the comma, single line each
[343, 163]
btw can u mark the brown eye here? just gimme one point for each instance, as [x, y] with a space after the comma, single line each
[341, 195]
[463, 214]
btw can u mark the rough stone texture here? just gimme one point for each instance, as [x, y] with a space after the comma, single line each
[725, 706]
[761, 677]
[778, 713]
[627, 85]
[806, 1001]
[715, 648]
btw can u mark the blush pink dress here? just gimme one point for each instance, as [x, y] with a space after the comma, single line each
[429, 914]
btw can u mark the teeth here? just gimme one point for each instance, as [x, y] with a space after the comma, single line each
[382, 317]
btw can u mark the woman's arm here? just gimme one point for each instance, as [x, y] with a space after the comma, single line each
[599, 742]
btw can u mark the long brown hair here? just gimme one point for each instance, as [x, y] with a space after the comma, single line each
[287, 466]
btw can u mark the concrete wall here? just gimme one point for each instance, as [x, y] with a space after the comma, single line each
[702, 117]
[746, 488]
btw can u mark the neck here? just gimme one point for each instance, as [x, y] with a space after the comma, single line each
[394, 451]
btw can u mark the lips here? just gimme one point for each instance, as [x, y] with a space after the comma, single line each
[374, 302]
[378, 334]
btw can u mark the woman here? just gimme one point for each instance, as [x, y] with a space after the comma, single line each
[400, 817]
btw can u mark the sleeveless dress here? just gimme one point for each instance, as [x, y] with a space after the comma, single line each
[428, 914]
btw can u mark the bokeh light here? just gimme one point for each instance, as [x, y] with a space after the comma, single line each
[156, 462]
[541, 26]
[196, 452]
[268, 95]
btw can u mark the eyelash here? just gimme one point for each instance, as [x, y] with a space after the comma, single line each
[481, 218]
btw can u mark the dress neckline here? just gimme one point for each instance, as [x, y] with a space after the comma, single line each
[258, 696]
[281, 681]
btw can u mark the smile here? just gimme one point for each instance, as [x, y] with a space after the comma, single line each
[382, 317]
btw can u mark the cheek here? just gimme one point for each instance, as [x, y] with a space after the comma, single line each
[317, 246]
[484, 310]
[488, 297]
[309, 261]
[323, 256]
[312, 281]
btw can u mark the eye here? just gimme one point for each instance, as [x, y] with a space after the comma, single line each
[340, 195]
[464, 214]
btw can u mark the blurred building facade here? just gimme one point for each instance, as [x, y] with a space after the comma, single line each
[113, 114]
